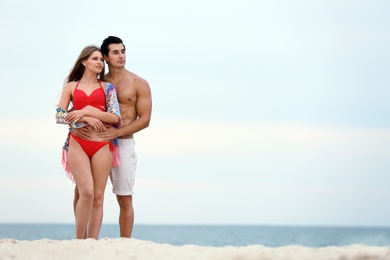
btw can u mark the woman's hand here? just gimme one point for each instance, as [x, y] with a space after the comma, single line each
[74, 115]
[95, 123]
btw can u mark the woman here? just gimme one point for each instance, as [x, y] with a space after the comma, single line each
[88, 162]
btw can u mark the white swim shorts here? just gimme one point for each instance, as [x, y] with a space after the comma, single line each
[123, 176]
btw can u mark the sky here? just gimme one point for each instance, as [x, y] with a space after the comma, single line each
[264, 112]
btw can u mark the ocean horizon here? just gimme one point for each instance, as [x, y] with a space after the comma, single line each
[214, 235]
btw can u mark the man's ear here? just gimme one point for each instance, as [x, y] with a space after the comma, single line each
[105, 57]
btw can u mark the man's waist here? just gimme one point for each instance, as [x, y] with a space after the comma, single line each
[126, 137]
[125, 141]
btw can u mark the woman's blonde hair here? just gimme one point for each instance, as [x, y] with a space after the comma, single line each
[78, 69]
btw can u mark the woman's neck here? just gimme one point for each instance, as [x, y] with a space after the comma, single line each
[89, 79]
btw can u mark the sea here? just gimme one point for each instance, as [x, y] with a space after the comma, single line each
[215, 235]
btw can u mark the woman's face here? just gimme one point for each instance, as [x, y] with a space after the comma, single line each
[95, 62]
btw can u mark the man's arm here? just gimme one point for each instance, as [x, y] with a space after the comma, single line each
[144, 112]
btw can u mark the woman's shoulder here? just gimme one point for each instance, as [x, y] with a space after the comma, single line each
[70, 85]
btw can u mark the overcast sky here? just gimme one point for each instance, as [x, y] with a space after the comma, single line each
[264, 112]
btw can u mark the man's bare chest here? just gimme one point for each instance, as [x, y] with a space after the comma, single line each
[126, 94]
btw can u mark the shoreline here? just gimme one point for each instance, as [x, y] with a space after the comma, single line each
[130, 248]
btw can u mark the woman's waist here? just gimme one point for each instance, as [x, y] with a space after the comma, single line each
[93, 137]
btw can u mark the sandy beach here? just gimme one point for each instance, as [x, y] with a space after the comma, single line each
[122, 248]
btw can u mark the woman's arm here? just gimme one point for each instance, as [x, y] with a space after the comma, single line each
[66, 96]
[106, 117]
[112, 103]
[61, 110]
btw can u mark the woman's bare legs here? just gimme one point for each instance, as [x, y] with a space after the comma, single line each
[101, 165]
[80, 166]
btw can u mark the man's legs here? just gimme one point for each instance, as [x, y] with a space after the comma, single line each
[123, 180]
[75, 200]
[126, 215]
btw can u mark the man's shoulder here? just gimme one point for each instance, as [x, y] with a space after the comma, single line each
[132, 75]
[128, 79]
[136, 79]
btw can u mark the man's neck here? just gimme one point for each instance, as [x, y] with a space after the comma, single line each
[116, 73]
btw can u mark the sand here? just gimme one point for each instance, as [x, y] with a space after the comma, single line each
[122, 248]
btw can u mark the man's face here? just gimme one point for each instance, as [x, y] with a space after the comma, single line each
[116, 55]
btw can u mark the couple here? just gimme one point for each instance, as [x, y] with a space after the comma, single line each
[103, 120]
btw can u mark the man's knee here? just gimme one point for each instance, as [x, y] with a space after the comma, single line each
[125, 202]
[76, 193]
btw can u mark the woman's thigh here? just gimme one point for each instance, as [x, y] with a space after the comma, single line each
[79, 165]
[101, 164]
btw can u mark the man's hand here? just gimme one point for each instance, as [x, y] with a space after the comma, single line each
[84, 133]
[109, 133]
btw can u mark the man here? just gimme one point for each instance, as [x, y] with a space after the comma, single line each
[135, 103]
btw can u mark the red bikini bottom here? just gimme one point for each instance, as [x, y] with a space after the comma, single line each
[91, 147]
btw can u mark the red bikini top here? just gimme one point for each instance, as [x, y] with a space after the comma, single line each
[97, 98]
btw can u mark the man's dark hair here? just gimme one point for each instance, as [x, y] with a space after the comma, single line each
[109, 40]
